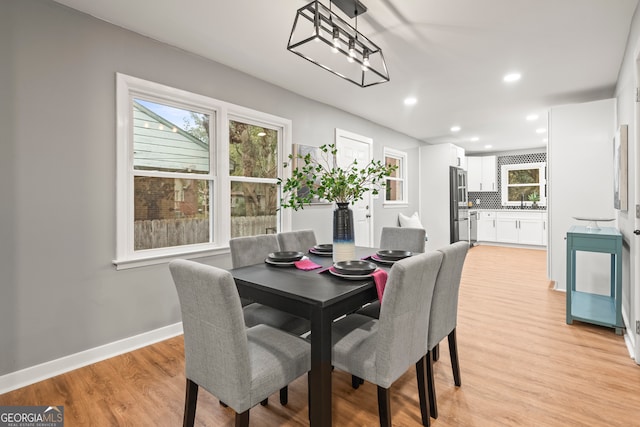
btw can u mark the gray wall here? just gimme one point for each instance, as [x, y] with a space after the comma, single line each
[60, 294]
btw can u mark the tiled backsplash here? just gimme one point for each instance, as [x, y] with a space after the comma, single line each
[493, 199]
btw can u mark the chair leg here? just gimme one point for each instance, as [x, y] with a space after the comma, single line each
[436, 353]
[422, 391]
[309, 396]
[242, 420]
[431, 387]
[224, 405]
[384, 407]
[284, 395]
[265, 402]
[190, 400]
[453, 352]
[356, 381]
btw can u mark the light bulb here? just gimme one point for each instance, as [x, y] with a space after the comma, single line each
[352, 50]
[365, 59]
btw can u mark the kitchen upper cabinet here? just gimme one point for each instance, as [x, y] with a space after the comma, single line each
[457, 157]
[482, 173]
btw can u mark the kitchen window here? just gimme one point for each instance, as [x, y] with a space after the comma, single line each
[192, 173]
[521, 183]
[395, 189]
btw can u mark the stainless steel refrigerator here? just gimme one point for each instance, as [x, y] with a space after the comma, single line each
[458, 205]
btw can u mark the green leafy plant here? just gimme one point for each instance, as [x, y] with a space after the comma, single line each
[534, 197]
[321, 179]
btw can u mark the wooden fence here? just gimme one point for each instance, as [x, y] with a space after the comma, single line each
[162, 233]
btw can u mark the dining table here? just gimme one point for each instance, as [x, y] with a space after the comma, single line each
[317, 295]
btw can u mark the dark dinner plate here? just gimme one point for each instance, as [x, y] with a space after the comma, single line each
[393, 255]
[323, 248]
[286, 256]
[355, 267]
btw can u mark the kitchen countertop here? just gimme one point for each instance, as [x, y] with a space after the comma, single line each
[507, 210]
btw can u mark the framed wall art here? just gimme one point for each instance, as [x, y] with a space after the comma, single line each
[620, 168]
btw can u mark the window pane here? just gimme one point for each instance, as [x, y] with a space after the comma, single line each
[253, 208]
[166, 138]
[516, 193]
[393, 190]
[393, 161]
[170, 212]
[524, 176]
[253, 151]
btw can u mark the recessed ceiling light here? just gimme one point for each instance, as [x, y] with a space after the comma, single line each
[474, 138]
[410, 101]
[512, 77]
[488, 146]
[541, 130]
[532, 117]
[455, 128]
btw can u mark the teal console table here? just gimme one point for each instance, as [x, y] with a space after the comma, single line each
[605, 310]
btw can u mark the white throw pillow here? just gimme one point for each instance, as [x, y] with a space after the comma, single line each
[412, 221]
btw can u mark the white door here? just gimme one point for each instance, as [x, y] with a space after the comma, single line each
[352, 147]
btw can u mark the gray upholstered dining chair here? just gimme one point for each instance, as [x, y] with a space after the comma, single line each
[300, 240]
[253, 250]
[398, 238]
[240, 366]
[381, 350]
[444, 314]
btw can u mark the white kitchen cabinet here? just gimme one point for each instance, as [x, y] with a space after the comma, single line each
[487, 227]
[489, 173]
[435, 196]
[457, 157]
[525, 228]
[474, 173]
[482, 173]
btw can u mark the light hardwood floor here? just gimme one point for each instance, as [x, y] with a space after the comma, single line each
[521, 365]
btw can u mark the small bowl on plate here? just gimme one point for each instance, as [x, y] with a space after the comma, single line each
[393, 255]
[355, 267]
[286, 256]
[327, 247]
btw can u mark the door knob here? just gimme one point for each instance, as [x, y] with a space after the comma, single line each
[368, 216]
[636, 232]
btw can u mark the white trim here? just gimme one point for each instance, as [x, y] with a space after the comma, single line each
[221, 112]
[541, 166]
[629, 336]
[33, 374]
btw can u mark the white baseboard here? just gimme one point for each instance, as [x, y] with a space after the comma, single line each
[629, 336]
[52, 368]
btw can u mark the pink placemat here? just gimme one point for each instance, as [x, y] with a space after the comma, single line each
[380, 278]
[306, 264]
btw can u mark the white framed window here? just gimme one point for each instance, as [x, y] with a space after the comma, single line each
[186, 183]
[520, 182]
[395, 191]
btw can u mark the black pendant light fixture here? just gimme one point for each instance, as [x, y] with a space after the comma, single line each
[320, 36]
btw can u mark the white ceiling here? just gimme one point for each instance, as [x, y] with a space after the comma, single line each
[449, 54]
